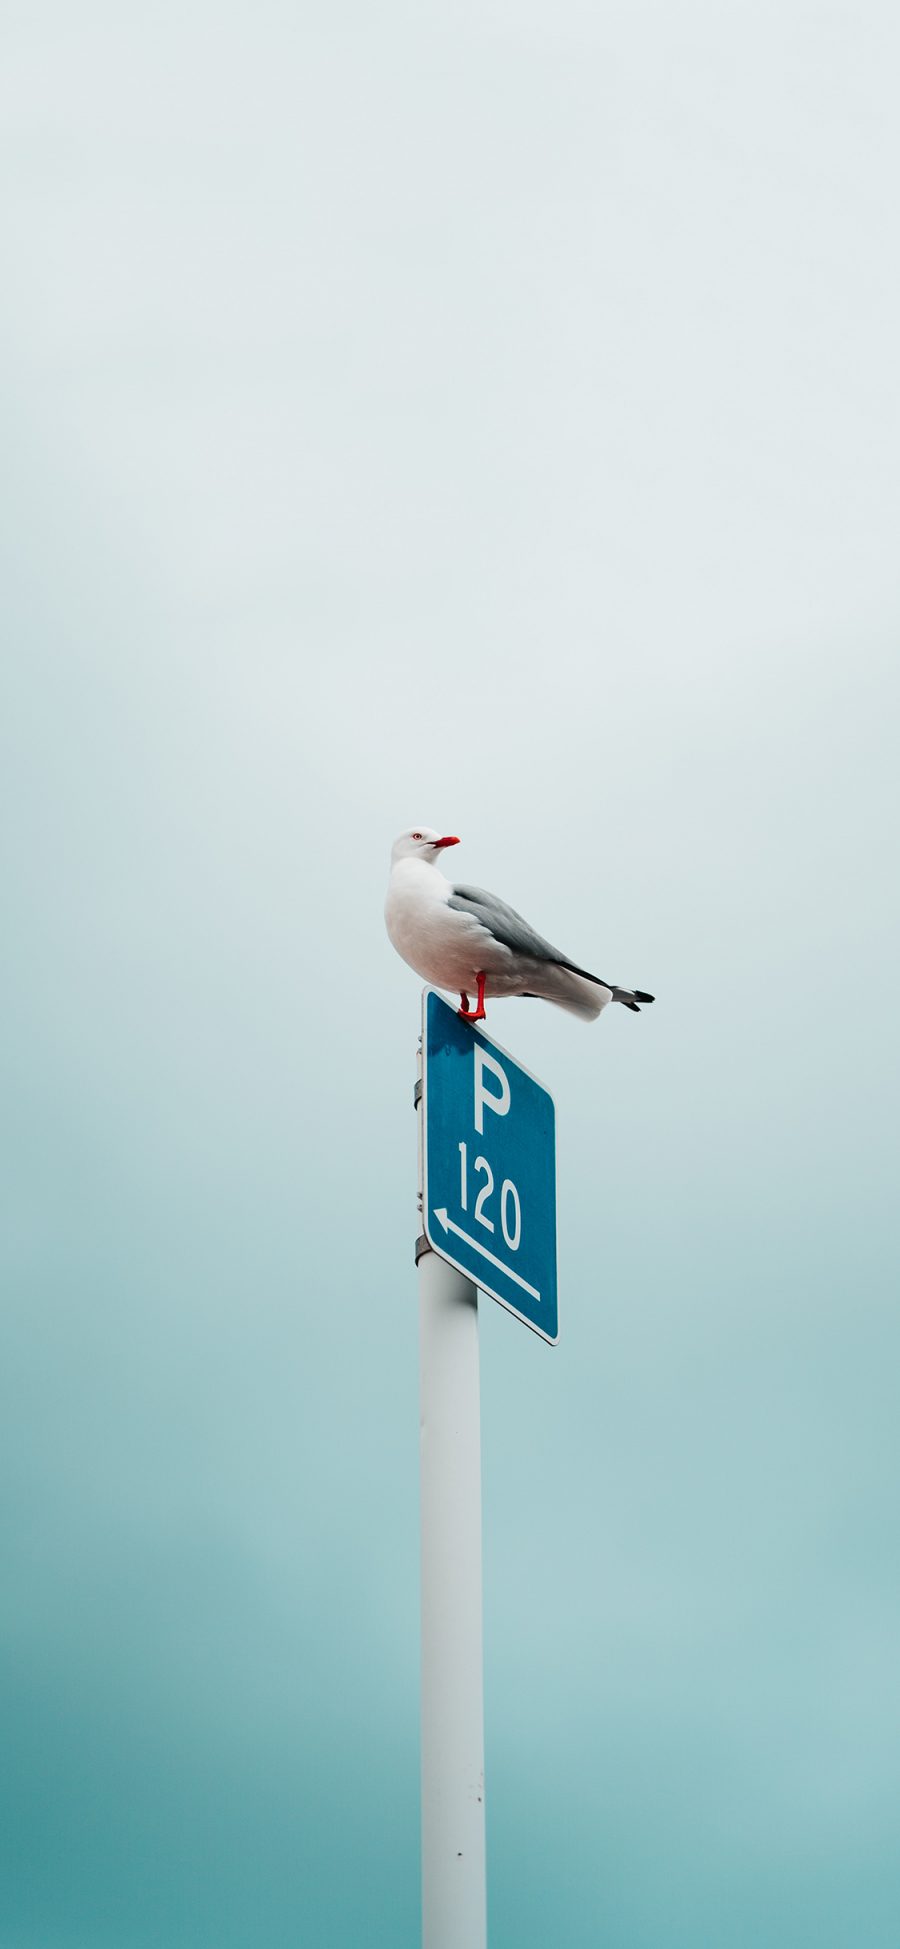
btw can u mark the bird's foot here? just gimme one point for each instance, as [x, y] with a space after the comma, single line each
[478, 1014]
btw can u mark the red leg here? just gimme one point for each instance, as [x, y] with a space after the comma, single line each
[464, 1008]
[480, 1013]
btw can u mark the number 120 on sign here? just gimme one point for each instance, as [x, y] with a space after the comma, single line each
[489, 1165]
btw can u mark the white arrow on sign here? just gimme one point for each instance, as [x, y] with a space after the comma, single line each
[478, 1247]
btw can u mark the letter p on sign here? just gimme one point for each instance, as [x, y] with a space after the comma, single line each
[485, 1097]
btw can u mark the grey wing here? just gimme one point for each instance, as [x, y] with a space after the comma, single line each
[503, 922]
[508, 927]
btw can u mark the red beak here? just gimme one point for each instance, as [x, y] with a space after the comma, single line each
[445, 842]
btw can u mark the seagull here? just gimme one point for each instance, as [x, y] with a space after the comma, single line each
[460, 937]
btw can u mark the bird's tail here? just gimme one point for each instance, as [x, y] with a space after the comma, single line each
[552, 982]
[581, 993]
[632, 997]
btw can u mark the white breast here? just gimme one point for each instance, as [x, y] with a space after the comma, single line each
[444, 946]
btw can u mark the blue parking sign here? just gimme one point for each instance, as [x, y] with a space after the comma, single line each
[489, 1166]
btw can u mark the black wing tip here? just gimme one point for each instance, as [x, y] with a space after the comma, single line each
[639, 996]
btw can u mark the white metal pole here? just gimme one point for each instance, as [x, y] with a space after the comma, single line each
[453, 1854]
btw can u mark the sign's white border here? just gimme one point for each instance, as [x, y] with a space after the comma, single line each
[440, 1246]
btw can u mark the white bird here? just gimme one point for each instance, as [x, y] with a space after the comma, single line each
[460, 937]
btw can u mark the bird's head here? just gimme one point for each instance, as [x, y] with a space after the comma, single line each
[421, 843]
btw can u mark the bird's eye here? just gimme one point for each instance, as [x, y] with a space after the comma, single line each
[417, 835]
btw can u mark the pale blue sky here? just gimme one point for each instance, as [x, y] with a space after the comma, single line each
[486, 418]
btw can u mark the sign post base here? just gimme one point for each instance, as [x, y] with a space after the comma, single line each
[453, 1850]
